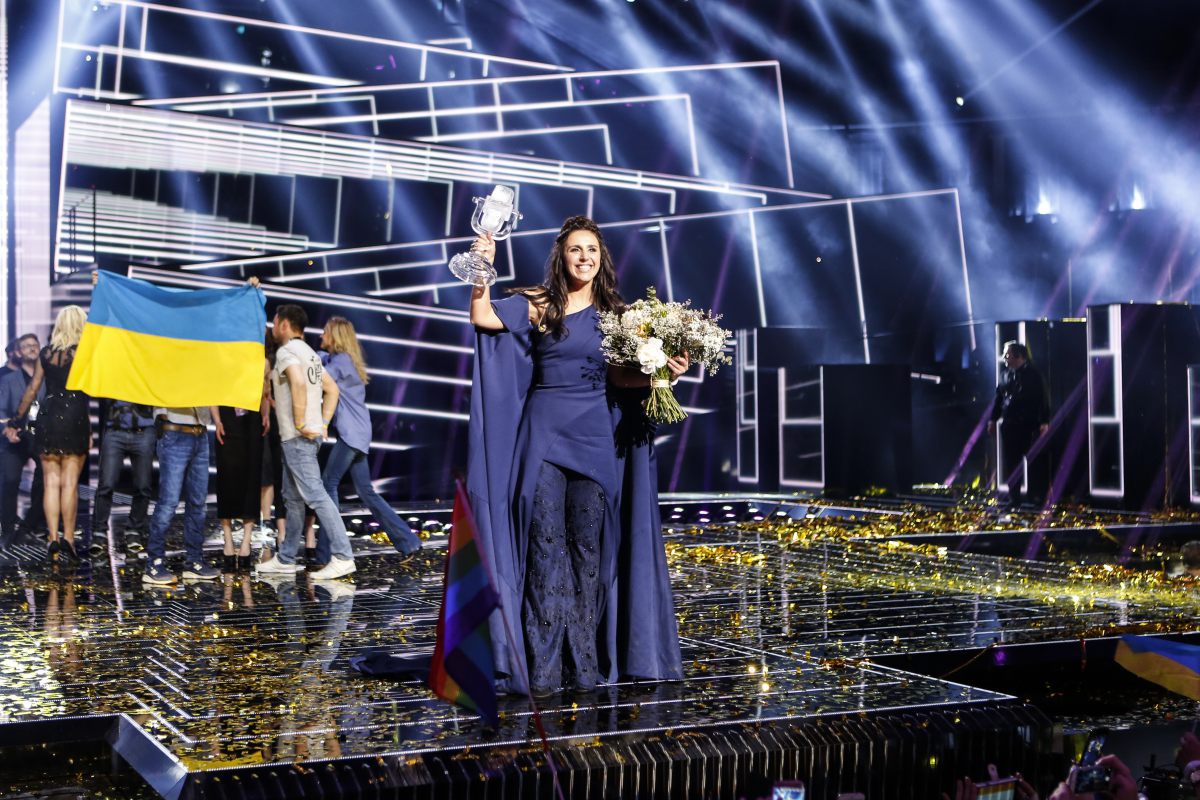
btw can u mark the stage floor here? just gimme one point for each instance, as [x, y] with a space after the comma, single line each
[784, 605]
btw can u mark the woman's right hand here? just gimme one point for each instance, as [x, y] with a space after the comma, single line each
[485, 245]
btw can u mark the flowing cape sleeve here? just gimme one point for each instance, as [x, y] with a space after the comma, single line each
[499, 385]
[643, 615]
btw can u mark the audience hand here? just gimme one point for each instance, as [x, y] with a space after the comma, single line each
[964, 789]
[312, 433]
[1189, 749]
[220, 430]
[1062, 791]
[13, 435]
[1123, 785]
[253, 281]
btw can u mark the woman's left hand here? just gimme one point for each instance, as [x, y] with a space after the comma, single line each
[678, 364]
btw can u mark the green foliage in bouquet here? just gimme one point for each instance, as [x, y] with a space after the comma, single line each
[648, 332]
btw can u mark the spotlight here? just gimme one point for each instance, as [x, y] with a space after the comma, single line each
[960, 101]
[1138, 201]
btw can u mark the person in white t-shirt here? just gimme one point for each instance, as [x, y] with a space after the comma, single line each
[305, 398]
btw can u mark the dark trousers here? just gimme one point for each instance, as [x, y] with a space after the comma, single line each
[342, 459]
[1015, 440]
[13, 458]
[114, 447]
[239, 466]
[562, 578]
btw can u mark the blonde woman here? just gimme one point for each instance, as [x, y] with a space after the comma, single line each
[64, 433]
[344, 363]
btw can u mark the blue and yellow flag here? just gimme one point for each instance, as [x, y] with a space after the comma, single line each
[1170, 664]
[168, 347]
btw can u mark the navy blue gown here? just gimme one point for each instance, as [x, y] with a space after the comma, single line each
[539, 399]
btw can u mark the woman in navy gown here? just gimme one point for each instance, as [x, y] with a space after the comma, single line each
[567, 518]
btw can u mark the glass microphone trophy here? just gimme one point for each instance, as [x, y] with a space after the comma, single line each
[495, 214]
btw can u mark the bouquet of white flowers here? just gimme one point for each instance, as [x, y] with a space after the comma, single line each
[648, 332]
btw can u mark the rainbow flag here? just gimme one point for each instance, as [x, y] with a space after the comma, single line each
[1173, 665]
[463, 669]
[170, 347]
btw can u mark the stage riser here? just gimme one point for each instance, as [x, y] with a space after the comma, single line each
[885, 756]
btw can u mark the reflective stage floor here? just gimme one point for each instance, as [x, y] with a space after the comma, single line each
[789, 613]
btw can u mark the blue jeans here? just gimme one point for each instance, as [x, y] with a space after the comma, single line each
[302, 486]
[343, 459]
[115, 445]
[182, 471]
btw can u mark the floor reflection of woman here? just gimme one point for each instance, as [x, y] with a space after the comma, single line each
[61, 626]
[570, 523]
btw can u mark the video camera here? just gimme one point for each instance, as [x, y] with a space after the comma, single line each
[1166, 783]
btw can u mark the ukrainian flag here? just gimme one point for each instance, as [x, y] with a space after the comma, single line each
[168, 347]
[1173, 665]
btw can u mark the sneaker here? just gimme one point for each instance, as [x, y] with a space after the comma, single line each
[274, 565]
[336, 568]
[199, 571]
[133, 542]
[407, 545]
[276, 580]
[158, 574]
[338, 590]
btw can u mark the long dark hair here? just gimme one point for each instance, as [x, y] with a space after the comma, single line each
[270, 345]
[552, 293]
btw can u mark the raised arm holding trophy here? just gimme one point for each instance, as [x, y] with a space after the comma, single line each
[497, 215]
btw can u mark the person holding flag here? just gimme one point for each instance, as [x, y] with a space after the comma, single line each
[160, 347]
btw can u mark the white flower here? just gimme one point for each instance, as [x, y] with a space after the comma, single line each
[651, 356]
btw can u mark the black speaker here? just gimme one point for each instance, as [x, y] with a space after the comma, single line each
[834, 428]
[1138, 425]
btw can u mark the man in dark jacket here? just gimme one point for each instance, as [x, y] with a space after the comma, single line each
[1022, 410]
[17, 445]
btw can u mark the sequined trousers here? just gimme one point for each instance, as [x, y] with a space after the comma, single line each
[561, 580]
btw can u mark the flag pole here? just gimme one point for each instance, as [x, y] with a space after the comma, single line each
[537, 714]
[513, 645]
